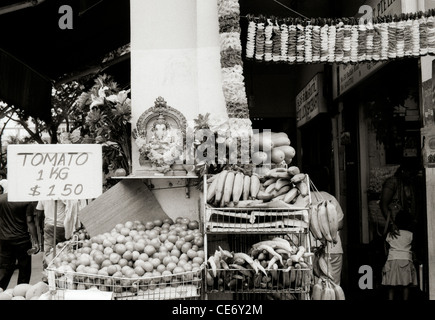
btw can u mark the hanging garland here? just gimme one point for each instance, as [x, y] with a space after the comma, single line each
[233, 81]
[343, 40]
[233, 85]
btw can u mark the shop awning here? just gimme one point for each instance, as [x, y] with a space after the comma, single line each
[36, 53]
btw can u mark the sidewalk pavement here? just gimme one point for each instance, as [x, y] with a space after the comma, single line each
[36, 271]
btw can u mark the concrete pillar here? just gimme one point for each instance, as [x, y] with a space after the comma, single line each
[175, 54]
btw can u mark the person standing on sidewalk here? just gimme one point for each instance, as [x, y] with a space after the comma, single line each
[66, 222]
[399, 273]
[18, 240]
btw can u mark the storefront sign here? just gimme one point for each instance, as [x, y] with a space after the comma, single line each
[352, 74]
[310, 101]
[385, 7]
[57, 172]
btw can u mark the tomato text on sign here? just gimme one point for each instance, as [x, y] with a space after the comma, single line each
[60, 163]
[55, 159]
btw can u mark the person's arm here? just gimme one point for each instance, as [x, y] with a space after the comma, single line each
[32, 228]
[39, 219]
[340, 213]
[387, 195]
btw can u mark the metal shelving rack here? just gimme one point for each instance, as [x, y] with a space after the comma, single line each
[236, 229]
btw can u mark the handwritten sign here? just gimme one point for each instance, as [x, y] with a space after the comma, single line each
[54, 172]
[310, 101]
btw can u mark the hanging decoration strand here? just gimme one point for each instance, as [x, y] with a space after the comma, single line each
[343, 40]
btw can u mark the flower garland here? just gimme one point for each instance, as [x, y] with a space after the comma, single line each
[343, 40]
[233, 84]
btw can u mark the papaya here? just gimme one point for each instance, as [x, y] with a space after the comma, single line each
[277, 155]
[263, 140]
[21, 289]
[280, 139]
[259, 157]
[37, 290]
[289, 153]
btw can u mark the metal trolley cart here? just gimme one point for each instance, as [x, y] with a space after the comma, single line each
[64, 281]
[236, 241]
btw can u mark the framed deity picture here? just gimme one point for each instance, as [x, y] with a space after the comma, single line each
[160, 135]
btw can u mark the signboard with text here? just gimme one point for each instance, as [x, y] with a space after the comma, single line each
[54, 172]
[310, 101]
[351, 74]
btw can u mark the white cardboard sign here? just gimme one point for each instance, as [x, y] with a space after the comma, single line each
[54, 172]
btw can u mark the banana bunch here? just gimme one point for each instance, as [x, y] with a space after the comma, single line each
[324, 221]
[285, 184]
[325, 289]
[268, 264]
[321, 265]
[231, 271]
[231, 187]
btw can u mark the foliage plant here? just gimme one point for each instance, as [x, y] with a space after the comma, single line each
[107, 121]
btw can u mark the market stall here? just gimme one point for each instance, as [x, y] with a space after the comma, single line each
[215, 207]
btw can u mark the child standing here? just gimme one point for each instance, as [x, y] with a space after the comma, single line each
[399, 271]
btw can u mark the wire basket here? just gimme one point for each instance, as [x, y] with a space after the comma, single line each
[186, 285]
[255, 220]
[294, 280]
[258, 218]
[275, 278]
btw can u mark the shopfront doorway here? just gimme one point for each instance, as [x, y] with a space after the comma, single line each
[381, 125]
